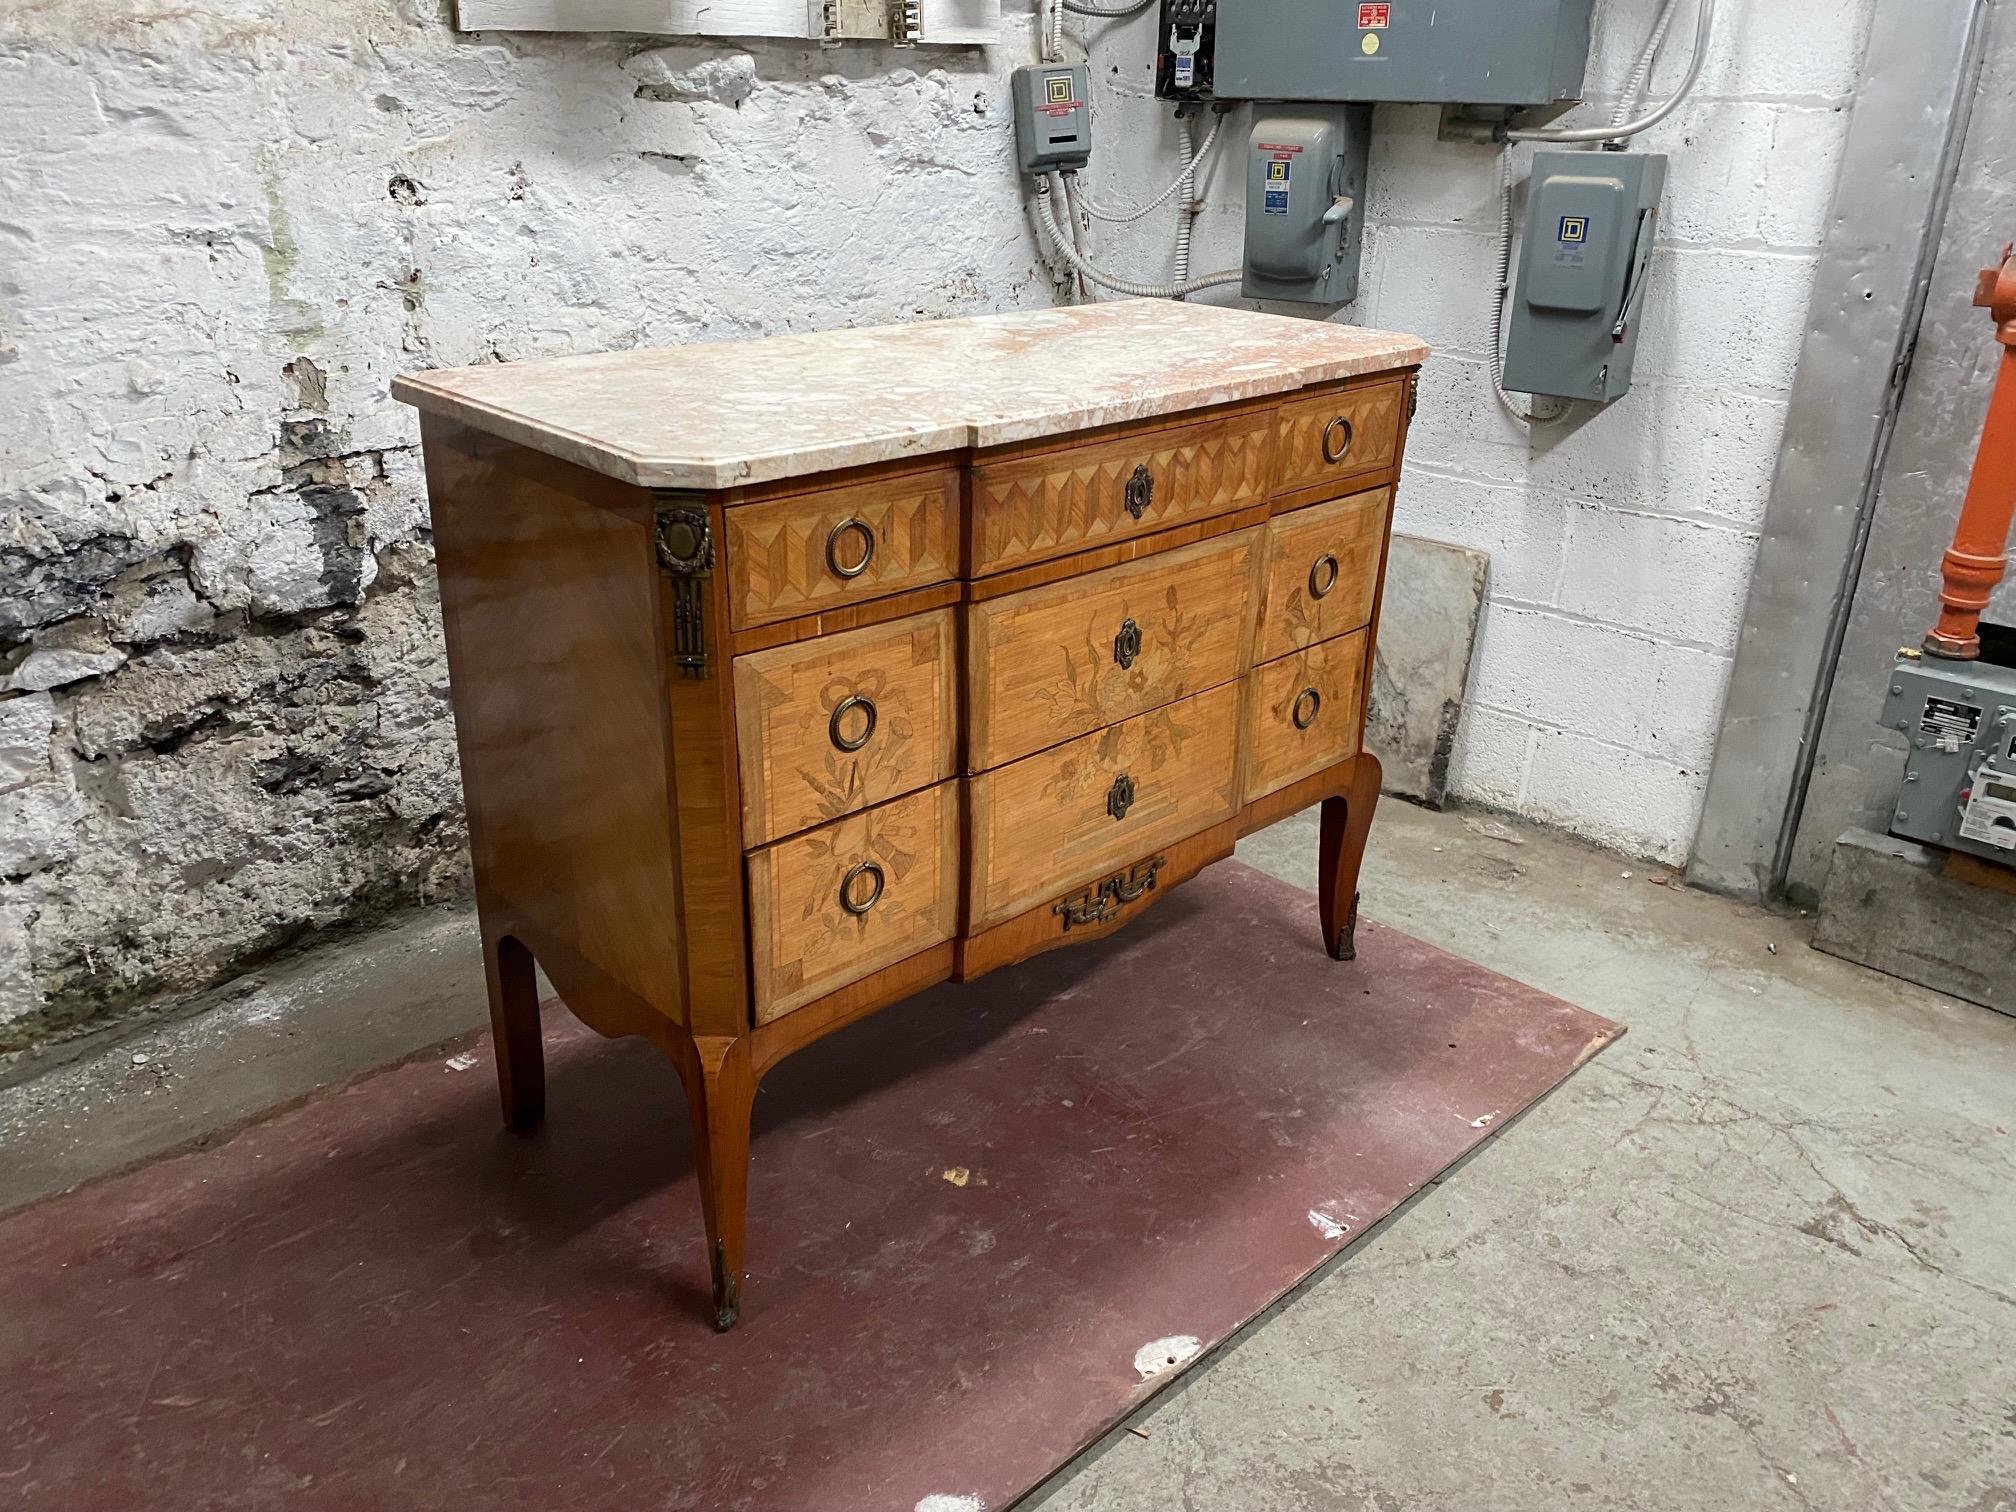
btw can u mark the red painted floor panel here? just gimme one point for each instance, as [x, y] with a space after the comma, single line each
[380, 1299]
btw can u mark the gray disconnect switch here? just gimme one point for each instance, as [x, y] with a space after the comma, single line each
[1053, 127]
[1590, 222]
[1305, 203]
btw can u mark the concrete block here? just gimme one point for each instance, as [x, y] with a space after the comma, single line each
[1427, 627]
[1494, 751]
[1643, 805]
[1677, 579]
[1521, 530]
[1888, 904]
[1567, 673]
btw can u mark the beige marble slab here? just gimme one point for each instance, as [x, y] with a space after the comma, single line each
[721, 414]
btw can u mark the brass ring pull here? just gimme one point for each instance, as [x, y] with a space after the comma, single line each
[1140, 490]
[858, 906]
[860, 527]
[1323, 576]
[1307, 702]
[1335, 450]
[841, 710]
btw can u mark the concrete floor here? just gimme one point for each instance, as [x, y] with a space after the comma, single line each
[1761, 1253]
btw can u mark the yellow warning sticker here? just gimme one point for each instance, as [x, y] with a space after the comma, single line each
[1369, 44]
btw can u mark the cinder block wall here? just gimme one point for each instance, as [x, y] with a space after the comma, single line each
[223, 717]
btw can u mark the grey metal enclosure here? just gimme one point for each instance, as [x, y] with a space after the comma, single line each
[1463, 52]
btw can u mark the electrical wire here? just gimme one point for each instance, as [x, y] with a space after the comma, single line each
[1122, 217]
[1080, 8]
[1704, 26]
[1050, 185]
[1641, 71]
[1186, 206]
[1501, 293]
[1081, 291]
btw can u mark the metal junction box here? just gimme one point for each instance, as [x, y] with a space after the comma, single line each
[1305, 203]
[1590, 222]
[1053, 125]
[1462, 52]
[1960, 779]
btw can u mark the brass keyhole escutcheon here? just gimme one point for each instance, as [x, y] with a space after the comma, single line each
[1120, 797]
[1337, 439]
[1140, 491]
[851, 897]
[1307, 702]
[1127, 644]
[1323, 576]
[836, 725]
[856, 526]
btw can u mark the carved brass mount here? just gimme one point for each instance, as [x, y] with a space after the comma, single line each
[1120, 797]
[1140, 490]
[686, 552]
[1127, 644]
[1095, 905]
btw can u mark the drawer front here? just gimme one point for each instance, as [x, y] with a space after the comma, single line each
[1049, 663]
[830, 907]
[1303, 713]
[1339, 435]
[1322, 571]
[1067, 815]
[808, 552]
[1032, 508]
[828, 727]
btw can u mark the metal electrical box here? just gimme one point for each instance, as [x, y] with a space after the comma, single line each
[1960, 779]
[1590, 222]
[1305, 203]
[1460, 52]
[1053, 125]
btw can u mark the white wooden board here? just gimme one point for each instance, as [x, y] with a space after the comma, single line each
[964, 23]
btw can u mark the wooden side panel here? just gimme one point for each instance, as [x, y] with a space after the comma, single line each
[1030, 508]
[1045, 823]
[1321, 573]
[549, 597]
[1046, 664]
[1330, 437]
[793, 701]
[804, 941]
[1277, 751]
[778, 558]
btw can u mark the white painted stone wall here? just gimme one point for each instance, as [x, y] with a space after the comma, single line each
[227, 224]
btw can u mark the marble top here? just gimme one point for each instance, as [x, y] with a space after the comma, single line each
[721, 414]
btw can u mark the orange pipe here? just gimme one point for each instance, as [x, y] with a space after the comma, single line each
[1979, 555]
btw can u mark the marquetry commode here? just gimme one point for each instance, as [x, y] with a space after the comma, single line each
[793, 676]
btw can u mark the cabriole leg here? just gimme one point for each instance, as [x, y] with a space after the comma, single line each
[514, 1028]
[720, 1092]
[1347, 821]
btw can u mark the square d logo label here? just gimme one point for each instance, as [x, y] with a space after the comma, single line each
[1277, 172]
[1059, 87]
[1574, 228]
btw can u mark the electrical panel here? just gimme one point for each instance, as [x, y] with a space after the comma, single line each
[1053, 126]
[1590, 222]
[1305, 203]
[1185, 45]
[1458, 52]
[1960, 779]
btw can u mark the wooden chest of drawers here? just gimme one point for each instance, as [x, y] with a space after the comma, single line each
[791, 677]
